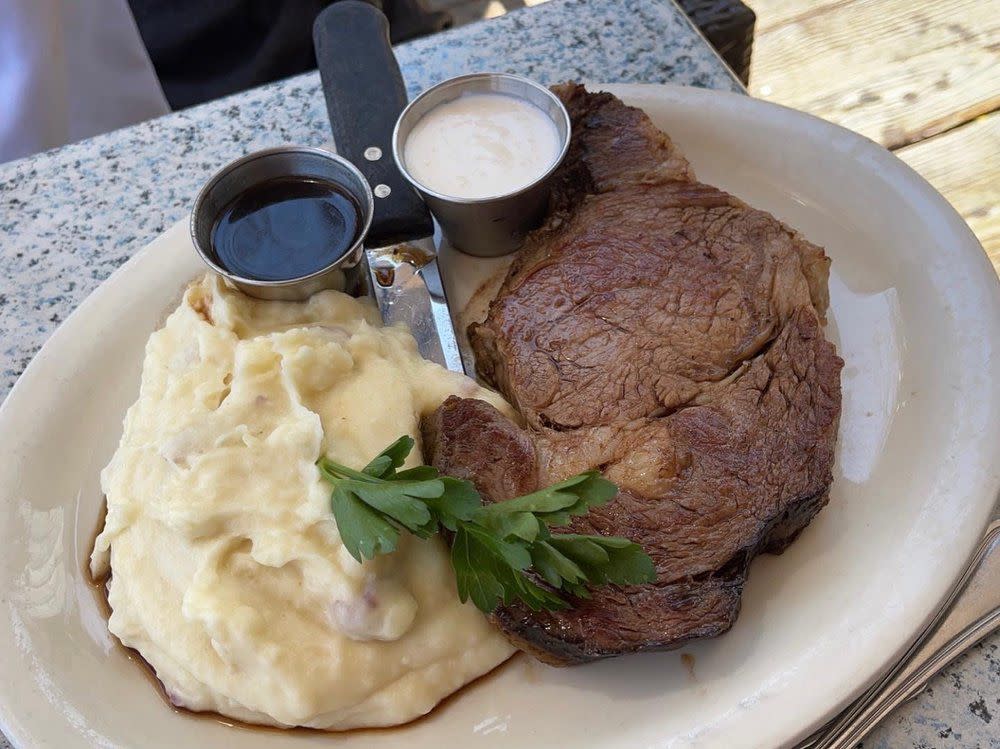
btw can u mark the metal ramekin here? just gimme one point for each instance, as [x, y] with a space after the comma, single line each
[345, 273]
[493, 226]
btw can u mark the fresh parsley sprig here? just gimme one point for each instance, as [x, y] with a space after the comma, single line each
[494, 546]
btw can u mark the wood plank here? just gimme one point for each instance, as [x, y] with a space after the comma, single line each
[467, 11]
[441, 4]
[476, 10]
[461, 5]
[891, 70]
[962, 164]
[773, 13]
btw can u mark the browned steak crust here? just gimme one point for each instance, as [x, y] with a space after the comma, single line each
[661, 331]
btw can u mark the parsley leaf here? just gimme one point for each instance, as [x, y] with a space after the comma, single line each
[502, 552]
[364, 531]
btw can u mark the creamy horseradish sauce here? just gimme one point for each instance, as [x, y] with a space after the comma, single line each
[481, 145]
[229, 576]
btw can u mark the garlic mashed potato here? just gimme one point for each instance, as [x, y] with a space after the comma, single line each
[228, 573]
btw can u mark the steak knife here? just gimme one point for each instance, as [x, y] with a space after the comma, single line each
[365, 95]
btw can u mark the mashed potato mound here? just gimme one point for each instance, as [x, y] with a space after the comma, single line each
[228, 573]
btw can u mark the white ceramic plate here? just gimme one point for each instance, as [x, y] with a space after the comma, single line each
[916, 316]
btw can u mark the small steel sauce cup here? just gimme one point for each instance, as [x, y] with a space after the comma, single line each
[496, 225]
[345, 273]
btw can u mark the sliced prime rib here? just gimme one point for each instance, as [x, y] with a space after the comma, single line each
[669, 335]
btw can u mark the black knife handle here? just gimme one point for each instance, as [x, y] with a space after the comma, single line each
[364, 96]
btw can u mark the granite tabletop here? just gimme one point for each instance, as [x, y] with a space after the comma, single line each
[69, 217]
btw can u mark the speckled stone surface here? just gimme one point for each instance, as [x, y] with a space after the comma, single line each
[69, 217]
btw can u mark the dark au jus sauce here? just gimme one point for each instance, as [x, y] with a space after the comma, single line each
[285, 228]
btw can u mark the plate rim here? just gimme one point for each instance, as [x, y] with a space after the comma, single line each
[20, 733]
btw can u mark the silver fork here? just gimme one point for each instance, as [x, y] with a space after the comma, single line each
[971, 612]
